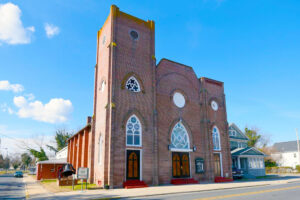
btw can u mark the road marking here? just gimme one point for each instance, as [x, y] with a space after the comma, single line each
[248, 193]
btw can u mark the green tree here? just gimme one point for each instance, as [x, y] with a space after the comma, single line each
[254, 137]
[15, 163]
[26, 159]
[39, 155]
[61, 139]
[270, 163]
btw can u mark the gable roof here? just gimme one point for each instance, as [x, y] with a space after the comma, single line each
[246, 151]
[286, 146]
[54, 161]
[236, 128]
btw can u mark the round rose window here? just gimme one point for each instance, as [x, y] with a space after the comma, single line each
[178, 100]
[214, 105]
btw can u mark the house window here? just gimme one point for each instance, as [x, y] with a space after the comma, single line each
[133, 85]
[295, 156]
[133, 131]
[261, 163]
[232, 133]
[180, 137]
[216, 138]
[100, 150]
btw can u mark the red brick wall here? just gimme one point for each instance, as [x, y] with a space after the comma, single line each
[117, 56]
[173, 77]
[80, 150]
[114, 63]
[215, 91]
[47, 171]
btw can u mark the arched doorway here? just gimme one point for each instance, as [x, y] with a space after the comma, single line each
[180, 147]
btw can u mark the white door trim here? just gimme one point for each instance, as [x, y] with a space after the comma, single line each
[141, 162]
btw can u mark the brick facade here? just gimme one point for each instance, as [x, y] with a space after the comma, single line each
[119, 57]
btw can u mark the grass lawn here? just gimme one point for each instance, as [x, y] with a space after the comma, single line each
[90, 186]
[51, 185]
[48, 181]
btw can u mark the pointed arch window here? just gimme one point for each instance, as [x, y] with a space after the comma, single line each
[133, 131]
[180, 137]
[133, 85]
[216, 138]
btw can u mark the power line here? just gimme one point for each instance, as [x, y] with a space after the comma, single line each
[9, 137]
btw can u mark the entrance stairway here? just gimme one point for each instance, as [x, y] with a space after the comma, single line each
[183, 181]
[129, 184]
[220, 179]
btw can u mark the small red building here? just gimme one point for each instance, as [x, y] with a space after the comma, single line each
[48, 169]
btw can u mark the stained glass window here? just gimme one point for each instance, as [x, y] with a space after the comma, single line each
[216, 138]
[133, 85]
[179, 137]
[133, 131]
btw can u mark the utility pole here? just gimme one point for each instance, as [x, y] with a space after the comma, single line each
[298, 144]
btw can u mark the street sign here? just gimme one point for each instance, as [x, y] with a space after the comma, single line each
[83, 173]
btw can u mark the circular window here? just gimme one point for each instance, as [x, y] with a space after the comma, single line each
[178, 100]
[134, 35]
[214, 105]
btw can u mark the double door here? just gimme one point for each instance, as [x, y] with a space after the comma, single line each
[180, 165]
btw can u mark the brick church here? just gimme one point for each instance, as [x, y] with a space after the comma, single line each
[153, 123]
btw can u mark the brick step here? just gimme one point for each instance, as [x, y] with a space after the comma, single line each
[222, 179]
[182, 181]
[134, 184]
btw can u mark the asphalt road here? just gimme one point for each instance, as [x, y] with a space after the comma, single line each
[11, 187]
[290, 191]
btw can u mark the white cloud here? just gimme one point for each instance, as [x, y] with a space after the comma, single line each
[5, 85]
[5, 108]
[17, 141]
[57, 110]
[12, 30]
[30, 96]
[31, 28]
[51, 30]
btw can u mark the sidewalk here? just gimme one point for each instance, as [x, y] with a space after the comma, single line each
[36, 191]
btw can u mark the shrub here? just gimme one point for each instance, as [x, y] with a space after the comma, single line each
[298, 168]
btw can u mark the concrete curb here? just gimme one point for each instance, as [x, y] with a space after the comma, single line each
[207, 190]
[26, 190]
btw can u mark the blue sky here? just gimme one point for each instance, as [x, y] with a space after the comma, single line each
[252, 46]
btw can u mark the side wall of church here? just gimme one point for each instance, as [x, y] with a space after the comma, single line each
[101, 105]
[132, 58]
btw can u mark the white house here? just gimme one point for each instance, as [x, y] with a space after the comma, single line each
[286, 154]
[63, 153]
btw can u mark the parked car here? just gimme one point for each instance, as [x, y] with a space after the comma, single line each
[18, 174]
[237, 173]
